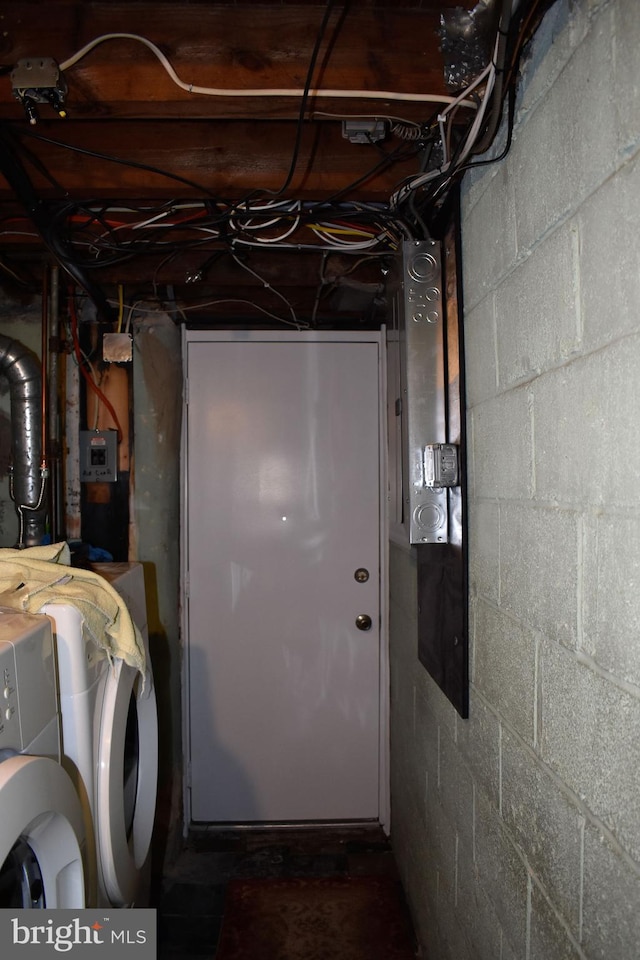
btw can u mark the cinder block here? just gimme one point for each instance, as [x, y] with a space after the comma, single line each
[505, 668]
[478, 740]
[411, 839]
[425, 735]
[609, 226]
[611, 630]
[502, 447]
[567, 146]
[489, 238]
[439, 707]
[545, 824]
[403, 637]
[586, 418]
[480, 352]
[561, 31]
[474, 184]
[473, 619]
[548, 935]
[591, 738]
[626, 77]
[475, 913]
[539, 568]
[442, 850]
[502, 874]
[611, 922]
[456, 790]
[536, 310]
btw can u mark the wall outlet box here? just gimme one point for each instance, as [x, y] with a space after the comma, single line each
[98, 456]
[117, 348]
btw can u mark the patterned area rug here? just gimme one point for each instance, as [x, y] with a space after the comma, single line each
[341, 918]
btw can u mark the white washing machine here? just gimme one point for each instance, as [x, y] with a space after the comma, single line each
[110, 746]
[42, 831]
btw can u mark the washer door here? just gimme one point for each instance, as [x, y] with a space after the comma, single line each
[127, 780]
[41, 836]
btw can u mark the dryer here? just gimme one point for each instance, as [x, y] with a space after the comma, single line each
[42, 833]
[110, 746]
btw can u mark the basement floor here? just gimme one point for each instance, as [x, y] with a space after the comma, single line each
[193, 895]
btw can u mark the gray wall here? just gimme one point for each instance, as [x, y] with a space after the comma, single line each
[518, 831]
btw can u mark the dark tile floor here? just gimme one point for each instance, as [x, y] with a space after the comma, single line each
[191, 899]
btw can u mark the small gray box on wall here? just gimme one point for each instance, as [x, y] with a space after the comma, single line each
[98, 456]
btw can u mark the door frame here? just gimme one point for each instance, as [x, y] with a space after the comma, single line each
[274, 336]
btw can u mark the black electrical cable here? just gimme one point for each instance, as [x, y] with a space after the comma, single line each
[38, 165]
[394, 156]
[510, 93]
[97, 155]
[18, 179]
[303, 106]
[495, 113]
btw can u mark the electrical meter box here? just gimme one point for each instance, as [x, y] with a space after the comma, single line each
[98, 456]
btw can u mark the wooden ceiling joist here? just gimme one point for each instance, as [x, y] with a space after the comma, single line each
[225, 159]
[221, 46]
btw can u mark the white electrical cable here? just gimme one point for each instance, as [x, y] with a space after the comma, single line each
[294, 320]
[239, 241]
[488, 74]
[212, 303]
[219, 92]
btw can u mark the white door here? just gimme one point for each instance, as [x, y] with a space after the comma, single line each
[282, 511]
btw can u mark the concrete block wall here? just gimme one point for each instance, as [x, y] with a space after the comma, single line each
[518, 831]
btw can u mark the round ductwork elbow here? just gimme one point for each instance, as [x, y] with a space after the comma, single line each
[21, 367]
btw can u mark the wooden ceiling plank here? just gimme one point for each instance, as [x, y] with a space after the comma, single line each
[225, 47]
[228, 159]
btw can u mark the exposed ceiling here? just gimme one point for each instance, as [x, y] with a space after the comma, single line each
[134, 145]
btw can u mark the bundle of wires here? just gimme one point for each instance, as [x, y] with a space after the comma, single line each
[420, 197]
[92, 234]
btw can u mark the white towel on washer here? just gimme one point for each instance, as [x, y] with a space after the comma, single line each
[35, 576]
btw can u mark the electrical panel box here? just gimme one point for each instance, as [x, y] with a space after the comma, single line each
[420, 321]
[425, 419]
[98, 456]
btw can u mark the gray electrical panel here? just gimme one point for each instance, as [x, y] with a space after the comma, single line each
[98, 456]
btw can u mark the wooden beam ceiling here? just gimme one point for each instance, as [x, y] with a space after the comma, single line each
[122, 104]
[121, 101]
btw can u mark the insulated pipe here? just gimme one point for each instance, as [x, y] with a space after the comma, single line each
[22, 369]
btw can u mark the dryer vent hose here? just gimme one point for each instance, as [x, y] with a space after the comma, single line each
[28, 472]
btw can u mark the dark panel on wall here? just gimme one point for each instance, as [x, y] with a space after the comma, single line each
[443, 636]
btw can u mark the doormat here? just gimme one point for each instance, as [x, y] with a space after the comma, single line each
[324, 918]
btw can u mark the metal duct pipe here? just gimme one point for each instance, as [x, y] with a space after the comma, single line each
[28, 473]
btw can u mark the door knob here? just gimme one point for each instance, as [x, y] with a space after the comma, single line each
[363, 621]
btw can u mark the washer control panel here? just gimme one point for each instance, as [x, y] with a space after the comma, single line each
[28, 700]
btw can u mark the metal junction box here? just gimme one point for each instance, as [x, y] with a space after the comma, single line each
[98, 456]
[429, 464]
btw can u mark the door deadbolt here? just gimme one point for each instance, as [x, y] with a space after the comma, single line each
[363, 621]
[361, 575]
